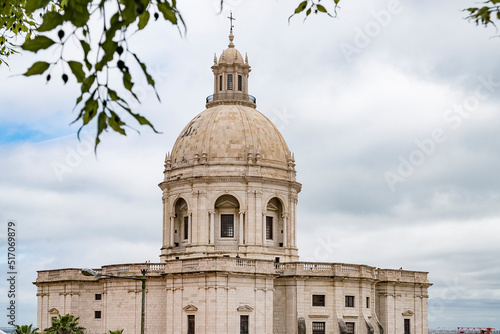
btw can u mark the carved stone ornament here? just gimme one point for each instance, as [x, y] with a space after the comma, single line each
[190, 308]
[53, 311]
[245, 308]
[407, 313]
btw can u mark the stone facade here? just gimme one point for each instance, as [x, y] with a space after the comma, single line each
[229, 259]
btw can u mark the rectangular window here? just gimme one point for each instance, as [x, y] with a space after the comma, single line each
[191, 324]
[97, 314]
[243, 324]
[269, 228]
[407, 326]
[227, 226]
[350, 327]
[186, 227]
[98, 296]
[318, 300]
[220, 82]
[229, 82]
[318, 327]
[240, 83]
[349, 301]
[367, 302]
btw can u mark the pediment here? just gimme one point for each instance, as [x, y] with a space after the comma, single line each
[53, 311]
[407, 313]
[245, 308]
[227, 204]
[272, 207]
[190, 308]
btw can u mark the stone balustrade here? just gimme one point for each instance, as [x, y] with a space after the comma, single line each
[239, 265]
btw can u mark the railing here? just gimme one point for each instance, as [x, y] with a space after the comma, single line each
[232, 264]
[231, 96]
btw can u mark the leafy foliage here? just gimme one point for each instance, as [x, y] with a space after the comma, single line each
[119, 331]
[314, 6]
[66, 324]
[101, 100]
[25, 329]
[486, 14]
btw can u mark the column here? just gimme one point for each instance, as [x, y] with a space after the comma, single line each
[172, 223]
[190, 228]
[263, 228]
[285, 231]
[242, 239]
[212, 226]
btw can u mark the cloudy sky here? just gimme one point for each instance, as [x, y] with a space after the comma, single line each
[392, 110]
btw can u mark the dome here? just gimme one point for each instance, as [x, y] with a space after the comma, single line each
[231, 56]
[230, 134]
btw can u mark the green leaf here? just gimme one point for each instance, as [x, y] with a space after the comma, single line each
[50, 21]
[37, 68]
[86, 50]
[33, 5]
[143, 121]
[116, 123]
[168, 12]
[77, 69]
[301, 7]
[143, 20]
[321, 8]
[87, 83]
[37, 43]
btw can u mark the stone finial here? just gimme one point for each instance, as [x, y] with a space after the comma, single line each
[203, 158]
[246, 58]
[196, 159]
[257, 158]
[215, 59]
[231, 38]
[250, 158]
[168, 161]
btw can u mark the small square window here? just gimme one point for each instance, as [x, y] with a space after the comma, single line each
[318, 327]
[97, 314]
[349, 301]
[318, 300]
[98, 296]
[350, 327]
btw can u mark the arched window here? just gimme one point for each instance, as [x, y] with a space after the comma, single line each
[181, 222]
[274, 228]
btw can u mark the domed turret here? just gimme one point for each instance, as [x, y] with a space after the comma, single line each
[229, 186]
